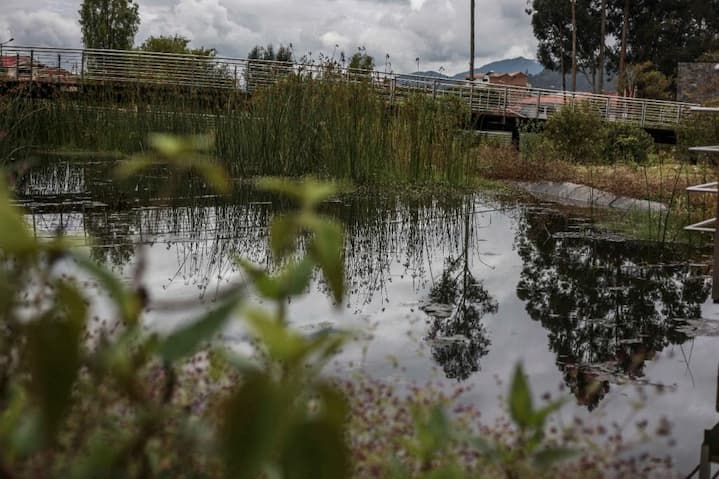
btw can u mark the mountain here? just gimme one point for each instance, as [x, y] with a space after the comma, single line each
[519, 64]
[430, 73]
[552, 80]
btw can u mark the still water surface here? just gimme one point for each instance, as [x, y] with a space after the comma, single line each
[445, 289]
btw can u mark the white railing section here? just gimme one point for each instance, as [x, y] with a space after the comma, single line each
[72, 67]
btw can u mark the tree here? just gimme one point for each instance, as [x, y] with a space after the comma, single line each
[283, 54]
[109, 24]
[174, 44]
[666, 33]
[550, 22]
[554, 23]
[361, 60]
[645, 81]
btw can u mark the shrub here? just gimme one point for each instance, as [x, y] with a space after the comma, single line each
[576, 133]
[624, 142]
[698, 129]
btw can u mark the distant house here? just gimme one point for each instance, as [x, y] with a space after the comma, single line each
[14, 67]
[517, 79]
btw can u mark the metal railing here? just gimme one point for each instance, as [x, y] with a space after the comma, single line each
[709, 225]
[82, 66]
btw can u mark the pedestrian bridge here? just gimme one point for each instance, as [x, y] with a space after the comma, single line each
[73, 70]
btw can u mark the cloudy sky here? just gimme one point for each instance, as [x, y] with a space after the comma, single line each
[436, 31]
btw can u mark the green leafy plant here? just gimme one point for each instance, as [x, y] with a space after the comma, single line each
[576, 132]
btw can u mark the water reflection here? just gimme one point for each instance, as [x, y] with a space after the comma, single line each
[457, 304]
[608, 305]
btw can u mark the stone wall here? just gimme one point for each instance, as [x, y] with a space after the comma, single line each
[698, 82]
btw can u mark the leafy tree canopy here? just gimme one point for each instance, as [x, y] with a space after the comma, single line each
[174, 44]
[361, 60]
[109, 23]
[283, 53]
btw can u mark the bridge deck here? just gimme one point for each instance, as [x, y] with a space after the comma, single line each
[71, 68]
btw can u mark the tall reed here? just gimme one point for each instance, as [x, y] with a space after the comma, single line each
[326, 127]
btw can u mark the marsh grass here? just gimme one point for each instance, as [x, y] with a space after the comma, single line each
[296, 127]
[661, 178]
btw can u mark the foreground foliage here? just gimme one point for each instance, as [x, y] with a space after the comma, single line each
[81, 397]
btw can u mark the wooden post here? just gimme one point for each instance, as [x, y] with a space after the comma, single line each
[32, 60]
[644, 112]
[539, 104]
[17, 66]
[82, 66]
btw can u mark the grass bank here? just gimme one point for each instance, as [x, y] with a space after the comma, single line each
[661, 178]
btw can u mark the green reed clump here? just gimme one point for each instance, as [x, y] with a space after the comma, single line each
[327, 127]
[343, 130]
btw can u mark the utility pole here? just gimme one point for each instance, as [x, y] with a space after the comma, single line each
[471, 41]
[574, 45]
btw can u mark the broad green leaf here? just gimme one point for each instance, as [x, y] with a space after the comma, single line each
[548, 457]
[167, 145]
[133, 166]
[334, 403]
[15, 237]
[520, 400]
[54, 351]
[295, 278]
[308, 192]
[185, 342]
[327, 248]
[127, 302]
[316, 449]
[291, 281]
[264, 284]
[253, 419]
[214, 175]
[540, 415]
[283, 236]
[282, 344]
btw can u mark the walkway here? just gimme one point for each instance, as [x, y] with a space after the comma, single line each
[69, 69]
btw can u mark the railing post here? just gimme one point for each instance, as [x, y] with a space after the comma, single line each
[393, 87]
[607, 107]
[32, 60]
[504, 107]
[644, 113]
[471, 97]
[17, 66]
[539, 104]
[82, 66]
[434, 90]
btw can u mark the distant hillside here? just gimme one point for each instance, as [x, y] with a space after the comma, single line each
[519, 64]
[430, 73]
[538, 76]
[552, 80]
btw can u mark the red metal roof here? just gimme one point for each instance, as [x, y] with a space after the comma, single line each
[9, 61]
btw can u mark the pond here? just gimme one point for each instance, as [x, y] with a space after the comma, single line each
[444, 288]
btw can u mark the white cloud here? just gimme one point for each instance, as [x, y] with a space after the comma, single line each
[436, 31]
